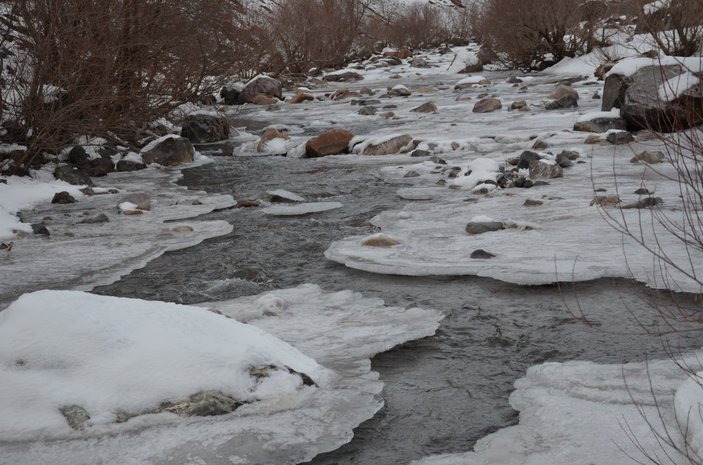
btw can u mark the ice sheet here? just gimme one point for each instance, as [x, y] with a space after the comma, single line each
[339, 330]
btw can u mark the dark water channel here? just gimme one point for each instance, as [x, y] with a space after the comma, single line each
[442, 393]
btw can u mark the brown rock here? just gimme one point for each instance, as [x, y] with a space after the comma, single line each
[268, 136]
[171, 151]
[264, 100]
[563, 90]
[487, 105]
[261, 85]
[390, 146]
[301, 97]
[332, 142]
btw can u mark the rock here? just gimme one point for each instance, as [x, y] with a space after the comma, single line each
[386, 114]
[366, 91]
[642, 107]
[643, 191]
[182, 229]
[268, 136]
[567, 101]
[401, 54]
[368, 111]
[480, 227]
[480, 254]
[98, 166]
[487, 105]
[348, 76]
[564, 161]
[463, 98]
[428, 107]
[63, 198]
[605, 200]
[72, 175]
[620, 137]
[205, 404]
[129, 165]
[426, 90]
[301, 97]
[399, 91]
[650, 158]
[526, 158]
[230, 95]
[100, 218]
[394, 145]
[78, 156]
[203, 128]
[379, 240]
[420, 153]
[596, 96]
[171, 151]
[647, 202]
[518, 105]
[261, 86]
[412, 174]
[562, 90]
[40, 229]
[513, 80]
[542, 169]
[141, 200]
[331, 142]
[532, 203]
[438, 160]
[419, 62]
[600, 124]
[246, 203]
[76, 416]
[540, 145]
[569, 154]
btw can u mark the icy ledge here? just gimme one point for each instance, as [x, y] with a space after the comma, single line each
[108, 355]
[583, 413]
[81, 254]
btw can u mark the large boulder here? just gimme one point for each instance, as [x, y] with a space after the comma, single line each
[261, 85]
[652, 99]
[204, 128]
[169, 151]
[332, 142]
[99, 165]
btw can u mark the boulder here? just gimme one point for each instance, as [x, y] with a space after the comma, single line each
[393, 145]
[204, 128]
[428, 107]
[419, 62]
[480, 227]
[347, 76]
[72, 175]
[543, 169]
[230, 95]
[63, 197]
[129, 165]
[565, 101]
[98, 166]
[600, 124]
[562, 90]
[399, 91]
[260, 85]
[487, 105]
[526, 158]
[620, 137]
[170, 151]
[518, 105]
[331, 142]
[642, 106]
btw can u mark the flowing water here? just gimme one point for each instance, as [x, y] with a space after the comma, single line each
[442, 393]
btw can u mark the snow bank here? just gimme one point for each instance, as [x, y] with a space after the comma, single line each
[340, 330]
[630, 66]
[582, 413]
[111, 355]
[21, 193]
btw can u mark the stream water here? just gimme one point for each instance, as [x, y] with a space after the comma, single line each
[442, 393]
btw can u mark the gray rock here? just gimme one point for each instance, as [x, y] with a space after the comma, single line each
[620, 137]
[349, 76]
[129, 165]
[172, 151]
[532, 203]
[40, 229]
[562, 90]
[412, 174]
[260, 85]
[368, 111]
[63, 197]
[420, 153]
[230, 95]
[428, 107]
[139, 199]
[600, 125]
[72, 175]
[647, 202]
[518, 105]
[205, 128]
[567, 101]
[394, 145]
[205, 404]
[399, 92]
[481, 227]
[100, 218]
[541, 169]
[570, 154]
[480, 254]
[487, 105]
[76, 416]
[526, 158]
[564, 161]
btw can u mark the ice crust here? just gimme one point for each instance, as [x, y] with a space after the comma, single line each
[301, 208]
[339, 330]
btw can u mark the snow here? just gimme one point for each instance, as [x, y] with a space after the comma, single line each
[470, 80]
[286, 195]
[583, 413]
[301, 208]
[101, 352]
[676, 86]
[476, 171]
[614, 113]
[630, 66]
[20, 193]
[339, 330]
[151, 145]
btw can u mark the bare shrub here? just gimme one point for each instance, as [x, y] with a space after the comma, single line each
[532, 34]
[676, 26]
